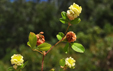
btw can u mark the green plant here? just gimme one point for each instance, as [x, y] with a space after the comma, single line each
[37, 42]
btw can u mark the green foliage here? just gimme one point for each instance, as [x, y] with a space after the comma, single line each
[32, 40]
[66, 48]
[77, 47]
[28, 44]
[32, 43]
[11, 69]
[43, 47]
[75, 21]
[62, 62]
[17, 19]
[64, 18]
[61, 69]
[64, 15]
[60, 35]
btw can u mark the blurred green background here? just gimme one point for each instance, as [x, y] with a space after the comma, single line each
[95, 32]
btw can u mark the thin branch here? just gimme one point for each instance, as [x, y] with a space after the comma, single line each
[67, 28]
[44, 54]
[42, 62]
[37, 51]
[60, 40]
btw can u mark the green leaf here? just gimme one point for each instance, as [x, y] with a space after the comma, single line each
[44, 47]
[66, 48]
[32, 39]
[62, 62]
[10, 68]
[64, 15]
[75, 21]
[63, 20]
[23, 65]
[28, 44]
[60, 35]
[77, 47]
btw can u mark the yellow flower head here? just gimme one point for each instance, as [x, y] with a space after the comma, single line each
[74, 11]
[70, 62]
[17, 59]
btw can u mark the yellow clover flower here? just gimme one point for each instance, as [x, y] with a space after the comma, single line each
[74, 11]
[17, 59]
[70, 62]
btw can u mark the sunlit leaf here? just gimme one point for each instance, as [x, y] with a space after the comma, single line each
[64, 15]
[75, 21]
[59, 35]
[44, 47]
[32, 39]
[77, 47]
[64, 18]
[64, 21]
[28, 44]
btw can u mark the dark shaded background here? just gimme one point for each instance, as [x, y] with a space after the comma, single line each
[95, 32]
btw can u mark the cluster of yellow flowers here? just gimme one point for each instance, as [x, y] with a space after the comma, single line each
[74, 11]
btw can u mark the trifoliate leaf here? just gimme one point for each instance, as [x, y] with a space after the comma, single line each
[44, 47]
[60, 35]
[77, 47]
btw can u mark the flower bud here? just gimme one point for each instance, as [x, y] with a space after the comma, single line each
[71, 37]
[40, 38]
[41, 32]
[52, 69]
